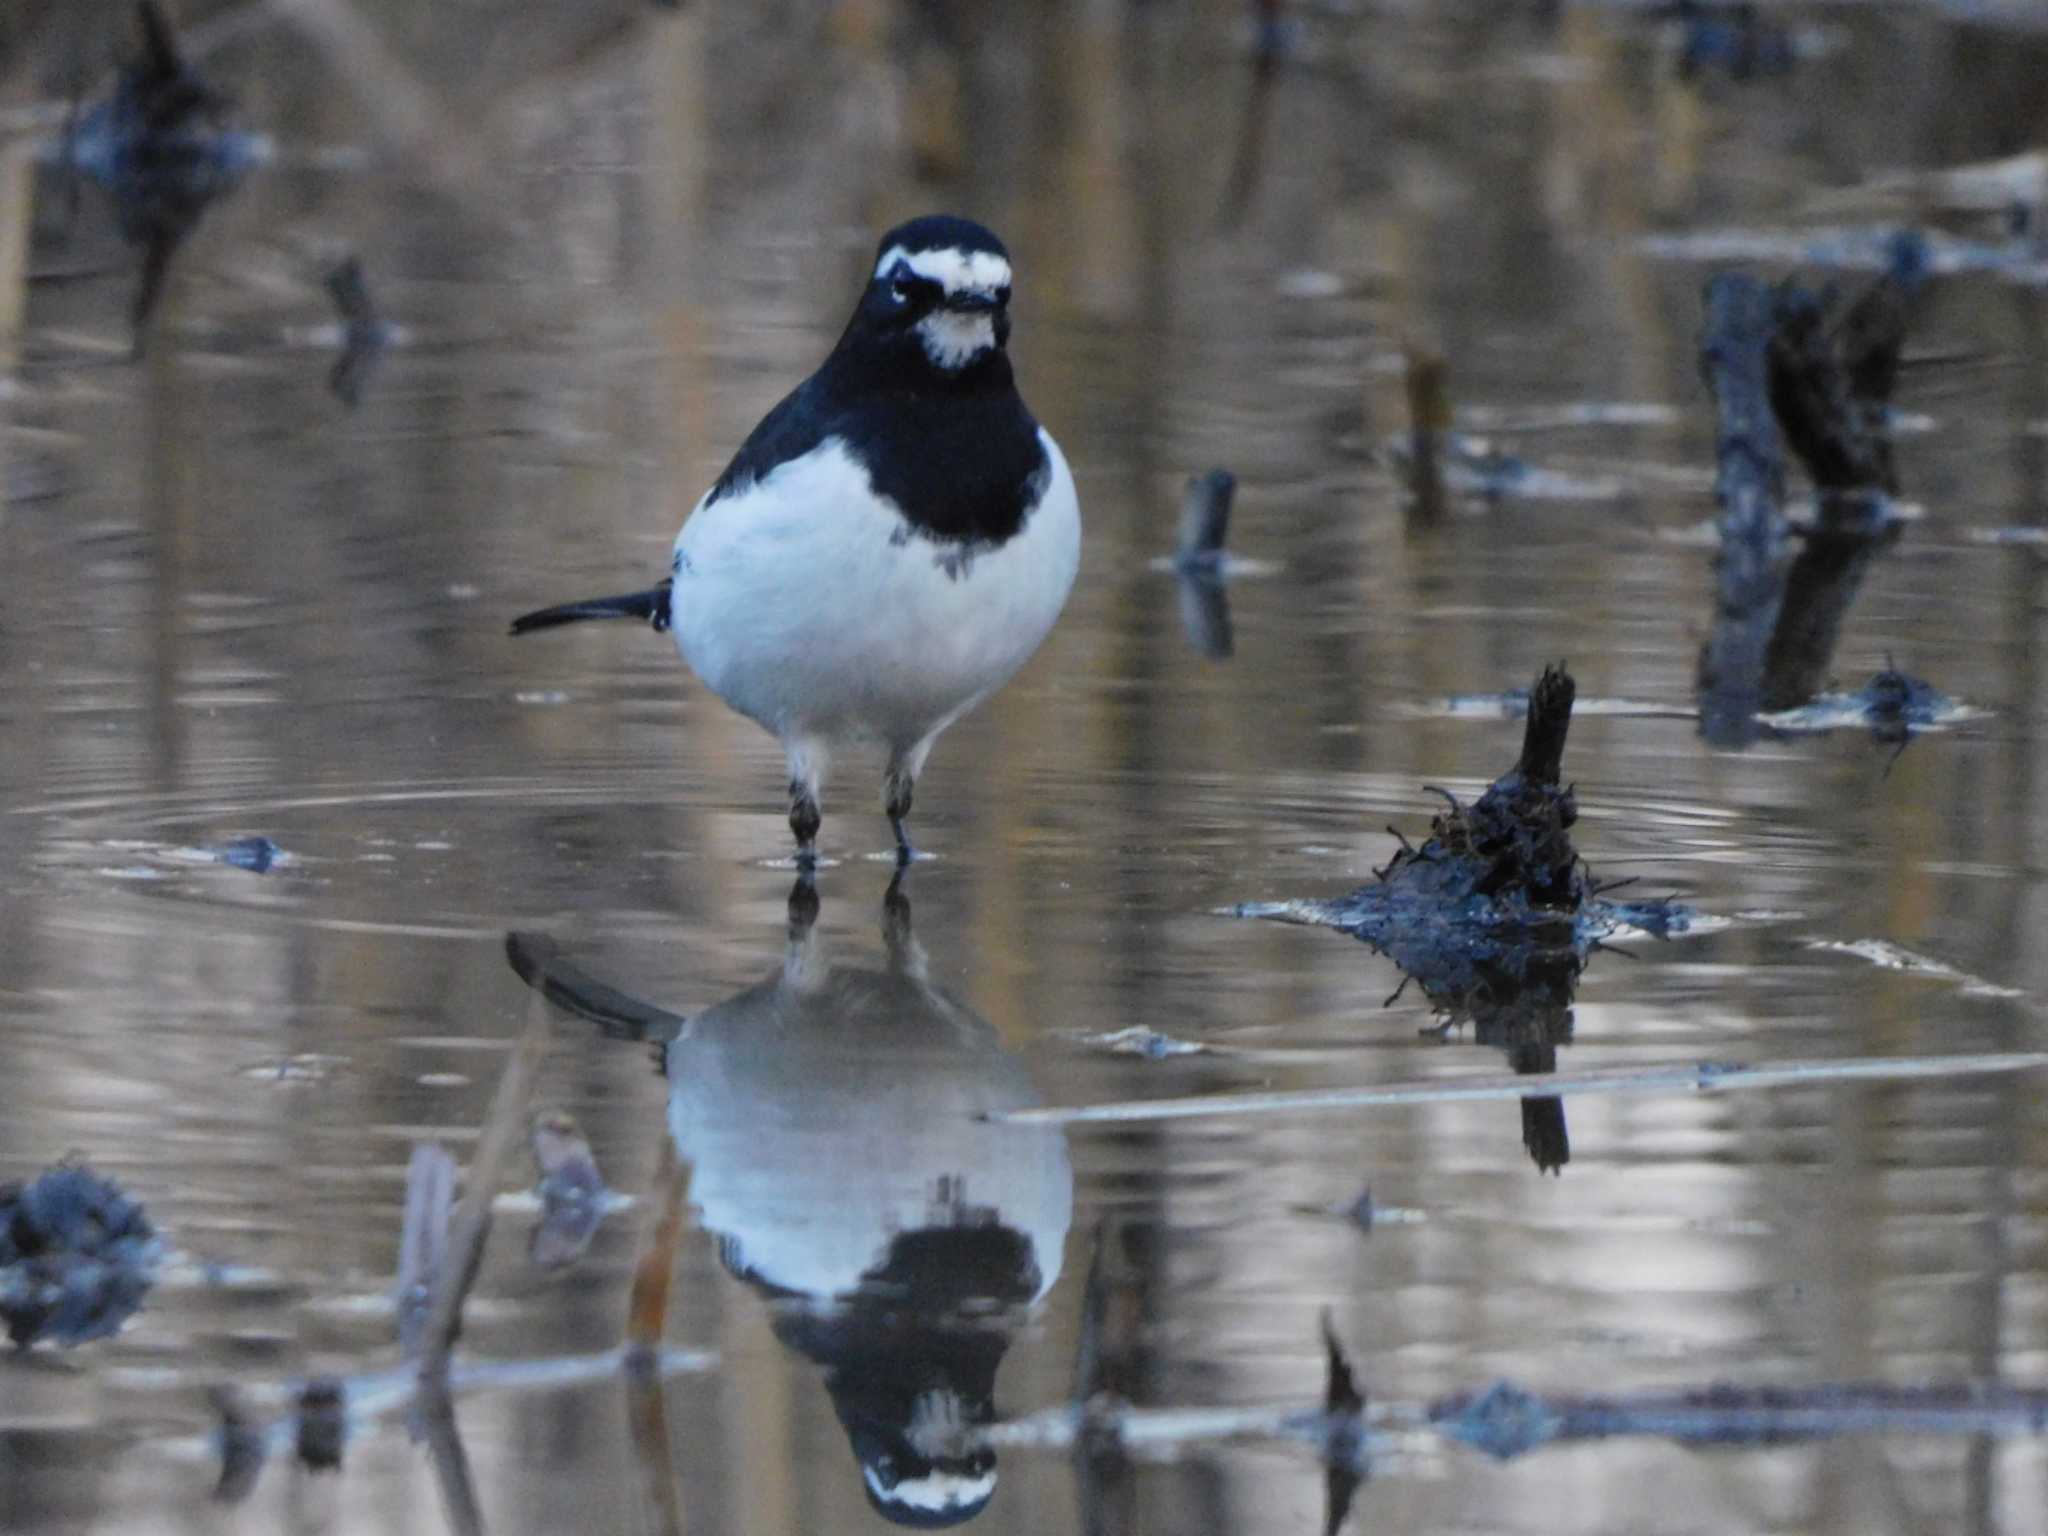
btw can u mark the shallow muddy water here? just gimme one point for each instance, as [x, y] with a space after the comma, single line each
[235, 608]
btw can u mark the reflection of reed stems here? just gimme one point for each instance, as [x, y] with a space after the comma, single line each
[503, 1130]
[430, 1182]
[1429, 423]
[17, 214]
[646, 1321]
[434, 1419]
[647, 1310]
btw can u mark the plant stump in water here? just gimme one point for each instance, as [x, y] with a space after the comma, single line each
[1495, 913]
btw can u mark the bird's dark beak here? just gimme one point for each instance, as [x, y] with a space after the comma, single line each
[973, 303]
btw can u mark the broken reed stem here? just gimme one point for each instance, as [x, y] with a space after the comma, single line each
[1550, 721]
[1681, 1077]
[504, 1130]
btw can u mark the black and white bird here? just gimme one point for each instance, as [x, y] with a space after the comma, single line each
[890, 544]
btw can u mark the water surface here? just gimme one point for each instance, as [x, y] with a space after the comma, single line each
[236, 608]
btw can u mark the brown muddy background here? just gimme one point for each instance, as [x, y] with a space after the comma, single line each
[228, 606]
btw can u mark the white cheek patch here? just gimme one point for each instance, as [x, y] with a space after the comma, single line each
[953, 340]
[955, 271]
[940, 1493]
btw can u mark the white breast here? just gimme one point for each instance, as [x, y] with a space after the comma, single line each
[808, 603]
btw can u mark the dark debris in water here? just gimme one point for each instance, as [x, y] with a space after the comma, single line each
[163, 147]
[1138, 1040]
[1344, 1431]
[1498, 881]
[1506, 1421]
[77, 1256]
[323, 1424]
[573, 1196]
[1893, 706]
[1793, 368]
[364, 333]
[1201, 562]
[256, 854]
[1734, 40]
[243, 1448]
[1495, 915]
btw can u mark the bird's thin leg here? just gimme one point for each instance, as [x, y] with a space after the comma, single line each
[896, 798]
[804, 820]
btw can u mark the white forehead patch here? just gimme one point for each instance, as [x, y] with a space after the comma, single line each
[954, 270]
[953, 340]
[940, 1493]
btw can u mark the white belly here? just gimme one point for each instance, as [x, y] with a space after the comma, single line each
[806, 602]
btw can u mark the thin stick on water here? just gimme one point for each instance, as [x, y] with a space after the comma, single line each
[1507, 1421]
[1678, 1077]
[504, 1131]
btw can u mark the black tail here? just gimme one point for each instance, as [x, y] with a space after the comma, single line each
[651, 605]
[574, 990]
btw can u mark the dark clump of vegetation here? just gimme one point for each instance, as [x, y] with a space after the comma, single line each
[164, 148]
[1498, 882]
[1495, 914]
[76, 1257]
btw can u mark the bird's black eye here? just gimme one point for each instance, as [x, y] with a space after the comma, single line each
[901, 289]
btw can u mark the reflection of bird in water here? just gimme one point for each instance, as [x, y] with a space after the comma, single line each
[162, 148]
[832, 1118]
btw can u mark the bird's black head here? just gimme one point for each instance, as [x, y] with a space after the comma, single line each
[938, 302]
